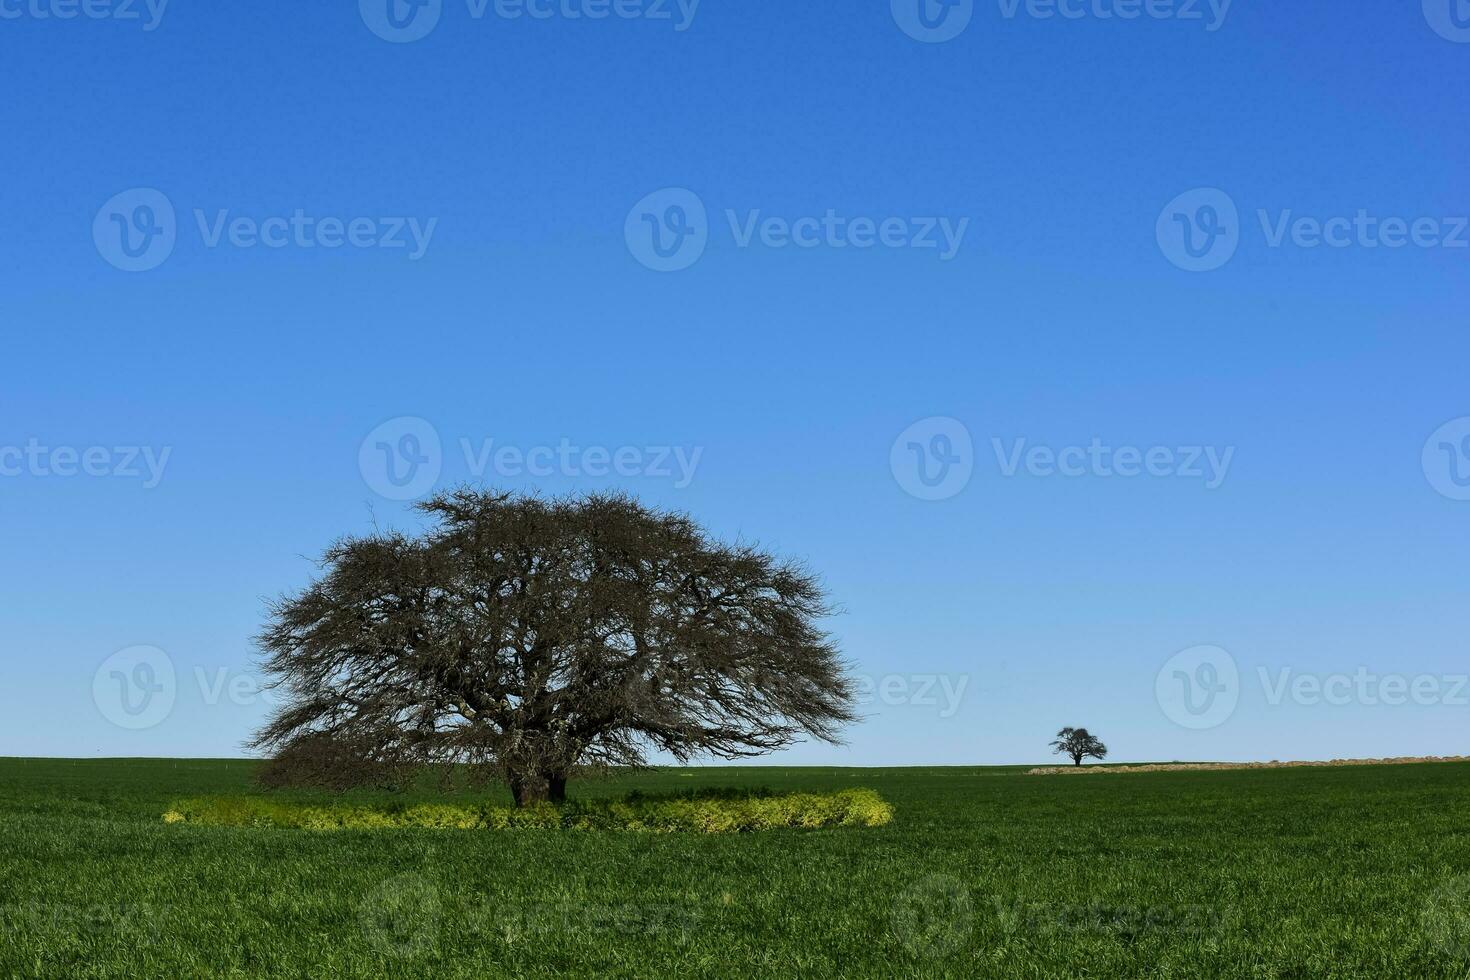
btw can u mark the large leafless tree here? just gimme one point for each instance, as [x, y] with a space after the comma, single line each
[529, 639]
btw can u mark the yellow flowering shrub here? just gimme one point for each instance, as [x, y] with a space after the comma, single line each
[720, 812]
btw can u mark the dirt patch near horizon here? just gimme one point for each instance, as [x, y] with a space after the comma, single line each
[1202, 766]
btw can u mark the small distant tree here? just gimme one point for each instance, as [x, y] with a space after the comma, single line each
[1079, 744]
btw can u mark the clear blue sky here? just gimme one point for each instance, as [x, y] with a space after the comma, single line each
[520, 148]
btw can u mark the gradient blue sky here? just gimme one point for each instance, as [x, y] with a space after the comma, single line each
[528, 320]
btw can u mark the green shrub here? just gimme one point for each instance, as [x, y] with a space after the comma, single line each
[719, 812]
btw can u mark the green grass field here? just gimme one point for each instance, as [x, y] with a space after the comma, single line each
[1349, 872]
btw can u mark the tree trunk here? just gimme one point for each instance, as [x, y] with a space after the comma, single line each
[526, 790]
[1076, 760]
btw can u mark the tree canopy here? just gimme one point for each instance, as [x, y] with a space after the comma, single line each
[1079, 744]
